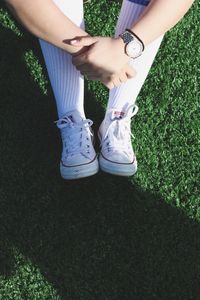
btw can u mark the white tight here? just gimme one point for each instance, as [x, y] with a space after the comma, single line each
[68, 84]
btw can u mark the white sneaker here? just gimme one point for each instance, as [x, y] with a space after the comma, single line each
[79, 158]
[117, 156]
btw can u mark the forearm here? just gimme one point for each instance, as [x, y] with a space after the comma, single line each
[45, 20]
[159, 17]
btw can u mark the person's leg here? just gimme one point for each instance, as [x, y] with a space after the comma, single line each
[79, 158]
[127, 92]
[117, 155]
[67, 83]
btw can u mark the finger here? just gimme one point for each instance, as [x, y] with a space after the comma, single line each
[108, 84]
[123, 77]
[116, 81]
[90, 75]
[93, 77]
[79, 60]
[130, 72]
[74, 41]
[85, 68]
[82, 69]
[88, 72]
[83, 41]
[83, 50]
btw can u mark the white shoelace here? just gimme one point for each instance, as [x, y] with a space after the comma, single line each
[73, 135]
[118, 133]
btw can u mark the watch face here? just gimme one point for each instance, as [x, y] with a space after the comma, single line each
[134, 49]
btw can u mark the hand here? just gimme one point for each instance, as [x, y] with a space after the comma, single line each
[103, 60]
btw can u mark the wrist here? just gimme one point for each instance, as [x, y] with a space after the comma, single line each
[120, 45]
[140, 32]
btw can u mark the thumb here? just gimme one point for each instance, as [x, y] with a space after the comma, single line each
[130, 72]
[83, 41]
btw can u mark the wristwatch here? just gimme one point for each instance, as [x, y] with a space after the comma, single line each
[133, 44]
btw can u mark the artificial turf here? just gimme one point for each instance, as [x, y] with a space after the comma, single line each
[103, 237]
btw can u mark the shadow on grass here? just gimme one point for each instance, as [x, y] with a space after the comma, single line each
[96, 238]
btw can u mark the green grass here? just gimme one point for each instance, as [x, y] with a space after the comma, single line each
[103, 237]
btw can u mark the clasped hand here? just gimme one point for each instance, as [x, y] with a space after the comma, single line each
[103, 59]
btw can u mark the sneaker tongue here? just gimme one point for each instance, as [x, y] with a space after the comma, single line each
[75, 116]
[116, 114]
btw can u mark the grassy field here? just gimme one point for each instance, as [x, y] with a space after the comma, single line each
[103, 237]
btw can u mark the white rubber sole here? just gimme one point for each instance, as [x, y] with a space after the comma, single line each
[116, 168]
[80, 171]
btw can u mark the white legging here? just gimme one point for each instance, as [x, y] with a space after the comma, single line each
[68, 84]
